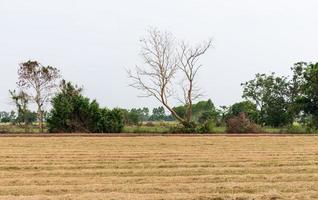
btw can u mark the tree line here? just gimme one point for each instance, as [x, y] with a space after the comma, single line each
[282, 101]
[269, 99]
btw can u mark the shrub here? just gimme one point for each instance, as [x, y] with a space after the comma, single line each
[188, 128]
[110, 121]
[241, 124]
[206, 123]
[73, 112]
[206, 127]
[150, 124]
[295, 129]
[248, 107]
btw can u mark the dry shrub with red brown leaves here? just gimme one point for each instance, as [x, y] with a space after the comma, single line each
[241, 124]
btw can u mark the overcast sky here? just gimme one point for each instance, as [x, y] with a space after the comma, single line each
[94, 42]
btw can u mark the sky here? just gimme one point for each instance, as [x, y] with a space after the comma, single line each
[94, 42]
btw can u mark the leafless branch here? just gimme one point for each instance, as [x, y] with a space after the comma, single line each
[163, 57]
[188, 57]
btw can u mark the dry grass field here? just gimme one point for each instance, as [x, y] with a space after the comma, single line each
[159, 168]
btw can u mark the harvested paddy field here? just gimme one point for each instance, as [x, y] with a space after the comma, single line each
[159, 168]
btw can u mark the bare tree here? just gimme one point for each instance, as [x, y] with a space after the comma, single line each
[164, 57]
[39, 81]
[188, 64]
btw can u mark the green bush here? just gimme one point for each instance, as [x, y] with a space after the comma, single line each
[297, 129]
[73, 112]
[206, 127]
[187, 128]
[206, 123]
[249, 108]
[110, 121]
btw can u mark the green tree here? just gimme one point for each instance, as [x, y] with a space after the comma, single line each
[297, 87]
[135, 116]
[6, 117]
[199, 109]
[308, 96]
[247, 107]
[72, 112]
[24, 116]
[158, 114]
[271, 95]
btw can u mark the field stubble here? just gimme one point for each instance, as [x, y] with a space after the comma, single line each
[159, 168]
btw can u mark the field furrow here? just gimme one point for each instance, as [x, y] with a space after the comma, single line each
[159, 168]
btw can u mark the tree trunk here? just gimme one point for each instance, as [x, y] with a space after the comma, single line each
[189, 111]
[40, 118]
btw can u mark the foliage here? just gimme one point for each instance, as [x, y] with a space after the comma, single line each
[180, 110]
[38, 82]
[135, 116]
[204, 116]
[296, 87]
[24, 117]
[271, 95]
[111, 121]
[304, 93]
[204, 108]
[14, 128]
[296, 128]
[206, 127]
[73, 112]
[131, 118]
[282, 101]
[150, 127]
[158, 114]
[309, 100]
[241, 124]
[222, 116]
[206, 122]
[182, 128]
[28, 118]
[247, 107]
[200, 110]
[6, 117]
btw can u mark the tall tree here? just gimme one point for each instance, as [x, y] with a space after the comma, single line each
[163, 58]
[188, 64]
[297, 87]
[39, 81]
[271, 95]
[308, 98]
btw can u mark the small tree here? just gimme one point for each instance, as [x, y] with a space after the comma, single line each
[164, 58]
[21, 100]
[6, 117]
[38, 81]
[158, 114]
[247, 107]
